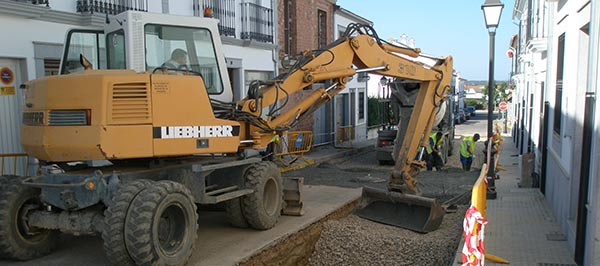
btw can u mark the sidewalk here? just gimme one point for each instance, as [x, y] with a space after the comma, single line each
[521, 226]
[328, 152]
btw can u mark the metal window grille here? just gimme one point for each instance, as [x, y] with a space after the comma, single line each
[223, 10]
[257, 22]
[111, 7]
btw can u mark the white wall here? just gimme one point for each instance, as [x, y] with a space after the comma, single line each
[155, 6]
[252, 58]
[593, 245]
[341, 21]
[66, 6]
[565, 148]
[179, 7]
[19, 44]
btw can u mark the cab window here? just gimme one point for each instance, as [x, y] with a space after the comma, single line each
[182, 48]
[90, 44]
[115, 43]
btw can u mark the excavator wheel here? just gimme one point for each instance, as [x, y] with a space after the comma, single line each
[235, 216]
[262, 208]
[114, 220]
[161, 224]
[18, 241]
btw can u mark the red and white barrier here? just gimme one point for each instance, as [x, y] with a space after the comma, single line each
[473, 233]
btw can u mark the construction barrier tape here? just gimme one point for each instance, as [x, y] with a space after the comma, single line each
[473, 227]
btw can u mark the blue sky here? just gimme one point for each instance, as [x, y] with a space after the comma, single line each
[444, 27]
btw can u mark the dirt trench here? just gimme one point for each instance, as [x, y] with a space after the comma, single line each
[297, 248]
[343, 238]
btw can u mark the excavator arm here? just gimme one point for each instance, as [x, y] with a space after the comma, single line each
[360, 50]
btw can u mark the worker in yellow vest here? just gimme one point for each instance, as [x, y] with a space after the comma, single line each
[433, 157]
[467, 147]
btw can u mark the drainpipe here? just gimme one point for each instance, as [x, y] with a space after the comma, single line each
[275, 50]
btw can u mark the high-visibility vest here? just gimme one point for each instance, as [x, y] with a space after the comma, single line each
[467, 147]
[433, 143]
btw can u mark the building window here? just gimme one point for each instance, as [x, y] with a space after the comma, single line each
[51, 66]
[530, 20]
[559, 83]
[361, 105]
[250, 75]
[287, 27]
[322, 30]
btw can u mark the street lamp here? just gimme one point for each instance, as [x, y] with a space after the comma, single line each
[384, 99]
[492, 9]
[384, 82]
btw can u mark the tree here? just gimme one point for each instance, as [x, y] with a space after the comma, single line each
[500, 95]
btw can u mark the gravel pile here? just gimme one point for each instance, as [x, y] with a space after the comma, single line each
[356, 241]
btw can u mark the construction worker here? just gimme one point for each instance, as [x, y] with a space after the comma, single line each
[433, 157]
[467, 147]
[178, 60]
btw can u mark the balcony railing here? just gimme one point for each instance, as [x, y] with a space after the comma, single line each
[111, 7]
[35, 2]
[223, 10]
[257, 22]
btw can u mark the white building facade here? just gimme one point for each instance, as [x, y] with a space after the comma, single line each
[34, 34]
[350, 105]
[556, 84]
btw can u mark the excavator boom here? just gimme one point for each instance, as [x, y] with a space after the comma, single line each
[360, 48]
[335, 63]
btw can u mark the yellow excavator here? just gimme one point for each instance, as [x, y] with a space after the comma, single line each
[129, 144]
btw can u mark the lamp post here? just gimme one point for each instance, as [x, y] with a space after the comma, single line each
[383, 100]
[492, 9]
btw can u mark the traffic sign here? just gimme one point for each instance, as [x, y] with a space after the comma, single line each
[503, 106]
[6, 76]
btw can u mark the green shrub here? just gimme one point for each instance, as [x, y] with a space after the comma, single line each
[375, 112]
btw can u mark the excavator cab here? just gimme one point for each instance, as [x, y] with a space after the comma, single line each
[147, 42]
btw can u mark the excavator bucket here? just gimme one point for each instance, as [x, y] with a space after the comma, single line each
[408, 211]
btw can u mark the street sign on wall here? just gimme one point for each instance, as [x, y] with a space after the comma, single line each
[503, 106]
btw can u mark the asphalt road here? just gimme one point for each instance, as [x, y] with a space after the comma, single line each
[363, 169]
[477, 124]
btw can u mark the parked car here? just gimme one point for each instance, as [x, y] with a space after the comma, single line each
[471, 110]
[461, 116]
[456, 119]
[465, 114]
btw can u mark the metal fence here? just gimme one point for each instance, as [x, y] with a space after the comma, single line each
[223, 10]
[35, 2]
[291, 147]
[257, 22]
[111, 7]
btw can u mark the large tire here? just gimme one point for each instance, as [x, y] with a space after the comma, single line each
[161, 225]
[17, 240]
[262, 208]
[114, 219]
[235, 216]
